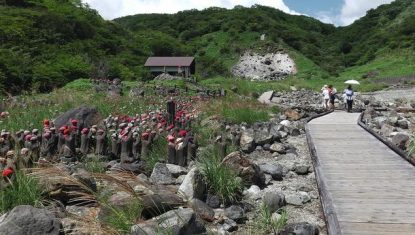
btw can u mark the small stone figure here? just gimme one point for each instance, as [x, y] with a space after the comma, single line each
[101, 143]
[171, 110]
[171, 150]
[84, 148]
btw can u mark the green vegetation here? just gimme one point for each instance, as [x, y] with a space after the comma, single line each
[158, 152]
[233, 109]
[25, 190]
[221, 180]
[265, 224]
[94, 165]
[47, 43]
[412, 145]
[123, 218]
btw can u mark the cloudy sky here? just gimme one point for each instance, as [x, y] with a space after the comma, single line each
[338, 12]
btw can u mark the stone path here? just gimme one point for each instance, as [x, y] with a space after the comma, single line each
[365, 187]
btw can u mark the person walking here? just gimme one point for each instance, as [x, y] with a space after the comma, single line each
[332, 96]
[349, 97]
[326, 96]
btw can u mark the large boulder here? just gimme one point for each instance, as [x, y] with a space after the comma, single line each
[86, 116]
[29, 220]
[244, 168]
[193, 185]
[177, 222]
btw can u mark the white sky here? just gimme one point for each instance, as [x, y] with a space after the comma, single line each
[110, 9]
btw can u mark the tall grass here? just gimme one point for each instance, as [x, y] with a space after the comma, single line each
[24, 190]
[265, 224]
[221, 180]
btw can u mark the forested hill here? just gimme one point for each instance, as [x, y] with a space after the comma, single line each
[46, 43]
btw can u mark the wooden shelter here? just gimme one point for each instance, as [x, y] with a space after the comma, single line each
[179, 66]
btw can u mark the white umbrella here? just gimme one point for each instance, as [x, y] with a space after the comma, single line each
[352, 82]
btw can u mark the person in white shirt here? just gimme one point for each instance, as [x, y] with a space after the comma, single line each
[326, 96]
[349, 97]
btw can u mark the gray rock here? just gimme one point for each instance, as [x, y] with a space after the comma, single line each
[229, 225]
[235, 213]
[193, 185]
[386, 129]
[401, 140]
[213, 201]
[136, 92]
[202, 210]
[246, 170]
[86, 178]
[263, 137]
[295, 132]
[86, 116]
[161, 175]
[177, 222]
[253, 193]
[275, 170]
[302, 169]
[266, 97]
[247, 141]
[180, 179]
[29, 220]
[380, 121]
[273, 201]
[278, 147]
[266, 147]
[404, 124]
[176, 170]
[159, 202]
[294, 199]
[299, 229]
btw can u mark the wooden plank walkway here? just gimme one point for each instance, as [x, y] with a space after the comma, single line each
[365, 187]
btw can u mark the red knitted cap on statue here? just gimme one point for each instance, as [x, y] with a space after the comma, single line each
[7, 172]
[46, 122]
[182, 133]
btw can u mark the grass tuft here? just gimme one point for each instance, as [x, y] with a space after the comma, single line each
[94, 165]
[266, 225]
[25, 190]
[123, 218]
[221, 180]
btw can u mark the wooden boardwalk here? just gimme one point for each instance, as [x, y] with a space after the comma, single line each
[365, 187]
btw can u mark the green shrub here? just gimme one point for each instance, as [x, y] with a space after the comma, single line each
[221, 180]
[24, 190]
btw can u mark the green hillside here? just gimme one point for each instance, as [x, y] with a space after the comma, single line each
[45, 44]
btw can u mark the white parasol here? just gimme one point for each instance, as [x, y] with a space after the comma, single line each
[352, 82]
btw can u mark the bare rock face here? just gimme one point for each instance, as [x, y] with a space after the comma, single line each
[272, 66]
[247, 170]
